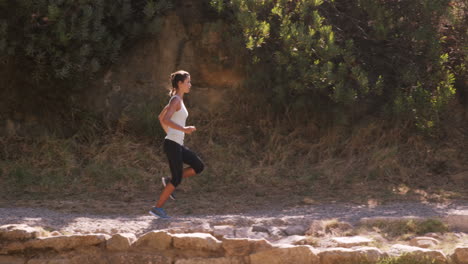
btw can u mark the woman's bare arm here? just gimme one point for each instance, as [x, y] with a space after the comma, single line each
[161, 116]
[165, 117]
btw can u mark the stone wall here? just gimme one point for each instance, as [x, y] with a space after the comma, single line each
[22, 244]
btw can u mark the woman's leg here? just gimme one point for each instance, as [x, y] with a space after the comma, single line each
[193, 160]
[175, 158]
[165, 195]
[188, 172]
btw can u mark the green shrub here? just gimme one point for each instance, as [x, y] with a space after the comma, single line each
[66, 39]
[348, 57]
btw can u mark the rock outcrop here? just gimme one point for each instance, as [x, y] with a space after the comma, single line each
[33, 245]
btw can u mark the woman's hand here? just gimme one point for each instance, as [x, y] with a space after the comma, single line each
[189, 129]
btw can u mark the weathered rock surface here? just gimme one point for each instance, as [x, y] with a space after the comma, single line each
[419, 254]
[460, 256]
[286, 255]
[227, 231]
[20, 232]
[196, 241]
[137, 258]
[354, 241]
[11, 260]
[244, 246]
[120, 242]
[457, 220]
[424, 242]
[347, 255]
[59, 243]
[26, 247]
[225, 260]
[154, 240]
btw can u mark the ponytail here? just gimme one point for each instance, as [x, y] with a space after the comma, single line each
[176, 77]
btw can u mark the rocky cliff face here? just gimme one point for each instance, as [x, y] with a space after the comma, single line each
[189, 38]
[188, 41]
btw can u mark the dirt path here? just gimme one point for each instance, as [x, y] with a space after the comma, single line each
[67, 221]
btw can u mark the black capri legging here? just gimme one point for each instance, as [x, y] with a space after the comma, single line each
[177, 156]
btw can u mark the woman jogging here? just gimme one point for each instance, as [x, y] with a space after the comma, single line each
[172, 119]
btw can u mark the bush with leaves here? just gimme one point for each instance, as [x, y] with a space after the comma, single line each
[66, 39]
[374, 56]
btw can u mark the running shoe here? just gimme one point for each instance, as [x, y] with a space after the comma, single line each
[165, 181]
[158, 212]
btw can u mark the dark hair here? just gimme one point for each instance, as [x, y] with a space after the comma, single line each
[176, 77]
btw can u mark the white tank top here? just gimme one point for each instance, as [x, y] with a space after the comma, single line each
[179, 117]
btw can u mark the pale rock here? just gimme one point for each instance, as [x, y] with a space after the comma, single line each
[298, 230]
[418, 253]
[225, 260]
[275, 233]
[244, 246]
[424, 242]
[227, 231]
[242, 232]
[201, 228]
[316, 229]
[11, 260]
[185, 227]
[20, 232]
[354, 241]
[460, 256]
[246, 232]
[196, 241]
[158, 240]
[292, 240]
[120, 242]
[286, 255]
[66, 242]
[351, 256]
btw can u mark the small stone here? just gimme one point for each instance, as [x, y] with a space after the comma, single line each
[292, 240]
[120, 242]
[295, 230]
[424, 242]
[348, 242]
[56, 233]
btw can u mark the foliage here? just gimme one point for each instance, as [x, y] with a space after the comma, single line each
[65, 39]
[370, 56]
[412, 226]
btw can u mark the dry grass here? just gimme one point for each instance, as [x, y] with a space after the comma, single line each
[245, 146]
